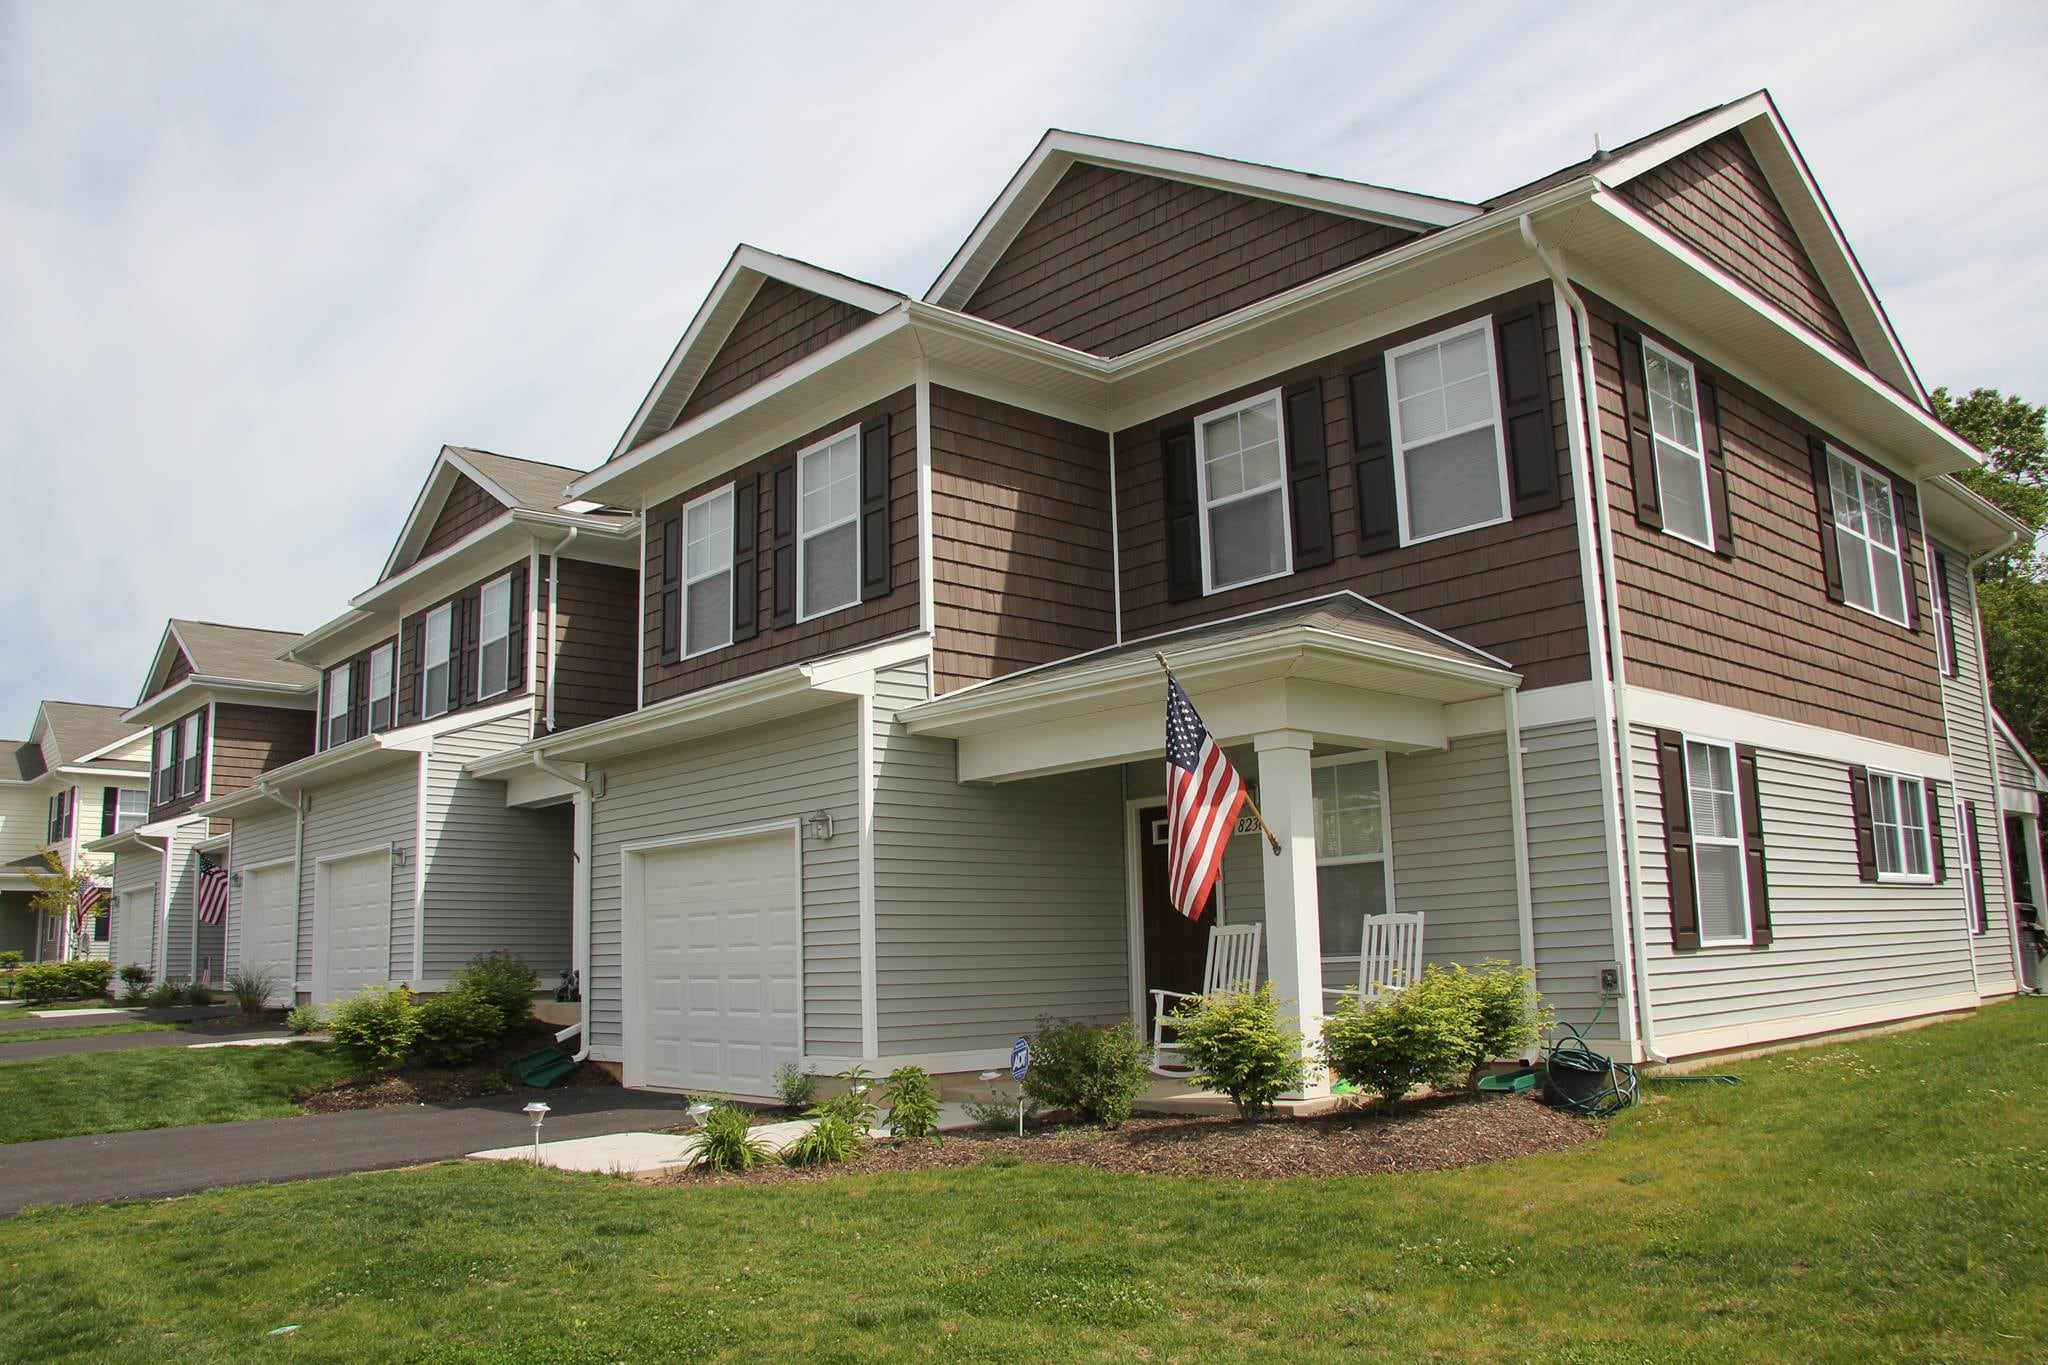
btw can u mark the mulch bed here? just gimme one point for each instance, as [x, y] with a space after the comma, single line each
[441, 1084]
[1437, 1133]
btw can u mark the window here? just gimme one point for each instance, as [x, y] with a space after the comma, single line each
[55, 828]
[828, 526]
[1449, 470]
[383, 668]
[1719, 871]
[1351, 857]
[1973, 876]
[336, 732]
[134, 808]
[189, 757]
[707, 572]
[1898, 818]
[1944, 628]
[437, 672]
[166, 768]
[1243, 475]
[1867, 539]
[1681, 449]
[494, 639]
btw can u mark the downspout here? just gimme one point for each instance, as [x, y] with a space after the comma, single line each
[554, 585]
[579, 893]
[1116, 557]
[1621, 761]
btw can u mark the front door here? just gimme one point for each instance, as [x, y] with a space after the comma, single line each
[1176, 947]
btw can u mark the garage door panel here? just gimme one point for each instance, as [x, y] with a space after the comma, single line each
[355, 910]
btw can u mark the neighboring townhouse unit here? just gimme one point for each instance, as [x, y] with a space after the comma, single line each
[80, 775]
[2022, 784]
[501, 614]
[222, 709]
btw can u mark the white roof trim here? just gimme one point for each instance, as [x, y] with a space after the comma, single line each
[1058, 150]
[2040, 778]
[166, 702]
[444, 460]
[156, 660]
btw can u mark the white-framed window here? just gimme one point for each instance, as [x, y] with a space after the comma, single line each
[437, 662]
[1944, 636]
[1450, 464]
[707, 572]
[336, 730]
[1681, 448]
[1241, 464]
[494, 638]
[190, 760]
[383, 690]
[55, 829]
[1867, 538]
[1973, 881]
[1720, 876]
[1354, 876]
[828, 525]
[166, 767]
[1898, 818]
[134, 808]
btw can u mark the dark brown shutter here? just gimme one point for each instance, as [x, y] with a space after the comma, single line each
[746, 537]
[1528, 423]
[1753, 845]
[1976, 865]
[359, 696]
[518, 632]
[1934, 841]
[1685, 914]
[199, 776]
[1824, 501]
[1308, 475]
[876, 573]
[1372, 458]
[671, 594]
[782, 546]
[465, 636]
[1717, 465]
[1907, 505]
[1642, 445]
[419, 667]
[1866, 831]
[1948, 613]
[320, 716]
[1183, 514]
[110, 809]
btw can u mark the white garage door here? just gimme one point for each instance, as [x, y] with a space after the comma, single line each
[352, 942]
[268, 909]
[720, 966]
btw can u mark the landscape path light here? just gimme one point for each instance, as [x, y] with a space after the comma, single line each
[538, 1112]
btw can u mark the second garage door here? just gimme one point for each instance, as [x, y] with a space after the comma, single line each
[352, 940]
[720, 972]
[268, 909]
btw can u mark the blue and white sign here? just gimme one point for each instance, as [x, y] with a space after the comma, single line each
[1020, 1058]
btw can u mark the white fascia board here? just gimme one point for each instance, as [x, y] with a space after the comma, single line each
[1960, 516]
[79, 770]
[2037, 777]
[1650, 710]
[461, 551]
[156, 659]
[310, 649]
[438, 480]
[180, 697]
[106, 749]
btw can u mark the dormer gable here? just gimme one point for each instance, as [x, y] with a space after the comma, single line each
[467, 490]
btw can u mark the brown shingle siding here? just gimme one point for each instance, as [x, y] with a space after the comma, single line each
[466, 508]
[595, 628]
[249, 741]
[781, 326]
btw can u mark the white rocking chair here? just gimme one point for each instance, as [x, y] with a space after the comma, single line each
[1232, 964]
[1390, 956]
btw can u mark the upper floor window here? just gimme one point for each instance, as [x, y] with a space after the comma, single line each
[1450, 473]
[336, 730]
[1243, 474]
[1351, 857]
[1973, 875]
[437, 662]
[59, 824]
[134, 808]
[1867, 538]
[707, 572]
[828, 525]
[1944, 618]
[1898, 818]
[190, 760]
[383, 668]
[166, 766]
[1681, 449]
[494, 639]
[1719, 866]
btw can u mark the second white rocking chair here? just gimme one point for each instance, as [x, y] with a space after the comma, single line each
[1232, 964]
[1389, 956]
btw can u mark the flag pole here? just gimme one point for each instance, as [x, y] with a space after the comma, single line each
[1250, 804]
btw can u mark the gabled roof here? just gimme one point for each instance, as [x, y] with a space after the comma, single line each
[2009, 748]
[20, 760]
[70, 732]
[1059, 150]
[521, 485]
[229, 654]
[737, 284]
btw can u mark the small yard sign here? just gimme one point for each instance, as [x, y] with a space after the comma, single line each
[1020, 1058]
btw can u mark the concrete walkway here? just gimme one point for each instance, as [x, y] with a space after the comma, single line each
[171, 1161]
[122, 1042]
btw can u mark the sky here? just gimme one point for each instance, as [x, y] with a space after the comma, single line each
[259, 261]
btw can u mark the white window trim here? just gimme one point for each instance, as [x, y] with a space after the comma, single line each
[1978, 912]
[141, 817]
[1399, 444]
[1698, 449]
[163, 772]
[1385, 857]
[1899, 551]
[427, 666]
[804, 533]
[730, 492]
[199, 773]
[1740, 843]
[346, 671]
[1927, 835]
[482, 641]
[1204, 506]
[390, 650]
[1944, 653]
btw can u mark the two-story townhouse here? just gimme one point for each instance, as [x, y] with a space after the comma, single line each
[221, 709]
[1577, 569]
[81, 774]
[502, 612]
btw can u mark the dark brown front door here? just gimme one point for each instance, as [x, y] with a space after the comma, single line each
[1176, 947]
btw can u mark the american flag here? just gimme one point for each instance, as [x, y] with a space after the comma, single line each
[90, 895]
[1203, 795]
[213, 891]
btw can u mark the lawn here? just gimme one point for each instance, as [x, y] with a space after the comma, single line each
[58, 1029]
[1884, 1198]
[156, 1087]
[98, 1002]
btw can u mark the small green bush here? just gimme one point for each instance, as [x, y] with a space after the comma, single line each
[504, 980]
[913, 1103]
[251, 989]
[377, 1026]
[134, 995]
[198, 993]
[135, 974]
[1508, 1016]
[1237, 1043]
[1000, 1111]
[9, 960]
[855, 1103]
[1422, 1034]
[165, 994]
[303, 1018]
[727, 1141]
[456, 1028]
[41, 982]
[831, 1141]
[794, 1086]
[1097, 1072]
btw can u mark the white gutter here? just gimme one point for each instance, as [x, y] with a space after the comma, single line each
[579, 896]
[554, 586]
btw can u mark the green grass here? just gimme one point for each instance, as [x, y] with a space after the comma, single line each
[37, 1035]
[98, 1002]
[156, 1087]
[1883, 1199]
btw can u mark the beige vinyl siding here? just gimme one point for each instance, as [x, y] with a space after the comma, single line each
[1568, 871]
[1841, 946]
[257, 839]
[1970, 735]
[24, 821]
[182, 946]
[993, 904]
[782, 770]
[134, 933]
[1454, 852]
[374, 811]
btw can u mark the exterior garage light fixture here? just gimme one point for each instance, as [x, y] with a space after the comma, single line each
[399, 853]
[820, 825]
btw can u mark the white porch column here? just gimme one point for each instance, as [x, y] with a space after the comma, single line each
[1294, 945]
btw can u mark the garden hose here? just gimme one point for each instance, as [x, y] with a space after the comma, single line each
[1584, 1081]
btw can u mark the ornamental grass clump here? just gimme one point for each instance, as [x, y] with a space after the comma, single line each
[726, 1141]
[251, 989]
[1095, 1071]
[830, 1141]
[1422, 1034]
[1238, 1043]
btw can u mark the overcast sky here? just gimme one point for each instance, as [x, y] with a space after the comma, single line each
[258, 261]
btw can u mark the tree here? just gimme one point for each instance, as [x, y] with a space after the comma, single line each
[57, 892]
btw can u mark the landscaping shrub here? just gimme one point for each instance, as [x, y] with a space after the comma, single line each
[198, 993]
[251, 990]
[504, 980]
[134, 995]
[1508, 1016]
[41, 982]
[1237, 1043]
[913, 1103]
[9, 960]
[165, 994]
[831, 1141]
[853, 1103]
[377, 1026]
[1094, 1071]
[303, 1018]
[135, 974]
[456, 1028]
[1422, 1034]
[1000, 1111]
[794, 1086]
[727, 1141]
